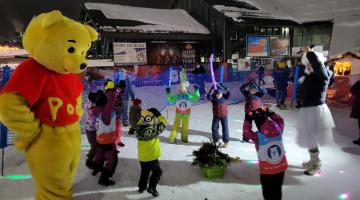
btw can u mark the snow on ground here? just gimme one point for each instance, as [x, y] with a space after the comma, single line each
[180, 180]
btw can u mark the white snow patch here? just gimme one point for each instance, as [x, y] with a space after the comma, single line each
[166, 20]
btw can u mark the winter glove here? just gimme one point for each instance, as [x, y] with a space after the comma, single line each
[269, 112]
[168, 90]
[155, 112]
[224, 87]
[161, 119]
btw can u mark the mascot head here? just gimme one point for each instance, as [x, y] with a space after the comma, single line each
[58, 43]
[151, 116]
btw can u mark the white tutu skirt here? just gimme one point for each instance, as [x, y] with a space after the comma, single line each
[314, 126]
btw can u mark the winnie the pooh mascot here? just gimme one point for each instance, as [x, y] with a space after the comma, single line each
[41, 103]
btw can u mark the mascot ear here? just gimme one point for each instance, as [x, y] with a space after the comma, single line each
[51, 18]
[92, 32]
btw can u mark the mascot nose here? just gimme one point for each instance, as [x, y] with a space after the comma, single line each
[83, 66]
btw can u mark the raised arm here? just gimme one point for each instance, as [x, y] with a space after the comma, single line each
[195, 95]
[318, 66]
[151, 131]
[243, 87]
[170, 98]
[248, 132]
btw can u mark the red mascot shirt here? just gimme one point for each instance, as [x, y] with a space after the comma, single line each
[53, 97]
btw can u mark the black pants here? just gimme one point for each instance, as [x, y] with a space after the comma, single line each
[250, 119]
[271, 185]
[91, 136]
[146, 168]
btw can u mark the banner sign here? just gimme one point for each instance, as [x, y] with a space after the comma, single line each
[172, 54]
[129, 53]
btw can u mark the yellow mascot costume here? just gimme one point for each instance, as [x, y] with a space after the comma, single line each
[41, 103]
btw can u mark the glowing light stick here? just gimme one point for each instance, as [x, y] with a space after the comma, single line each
[183, 76]
[16, 177]
[170, 76]
[118, 77]
[212, 71]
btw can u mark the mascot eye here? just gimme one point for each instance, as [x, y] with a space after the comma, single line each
[71, 50]
[148, 118]
[82, 52]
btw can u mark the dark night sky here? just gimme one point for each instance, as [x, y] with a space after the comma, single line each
[15, 14]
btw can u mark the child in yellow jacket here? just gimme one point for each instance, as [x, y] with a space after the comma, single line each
[151, 124]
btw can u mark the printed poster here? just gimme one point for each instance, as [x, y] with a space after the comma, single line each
[129, 53]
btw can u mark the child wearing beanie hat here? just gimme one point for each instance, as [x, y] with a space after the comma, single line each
[218, 99]
[252, 93]
[134, 115]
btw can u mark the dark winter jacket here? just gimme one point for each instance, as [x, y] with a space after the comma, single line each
[261, 72]
[355, 91]
[252, 102]
[314, 87]
[128, 92]
[134, 115]
[281, 78]
[117, 106]
[219, 105]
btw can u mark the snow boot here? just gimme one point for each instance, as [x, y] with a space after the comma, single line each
[313, 170]
[104, 178]
[89, 164]
[313, 166]
[141, 190]
[314, 160]
[357, 141]
[153, 191]
[245, 139]
[125, 124]
[96, 169]
[282, 107]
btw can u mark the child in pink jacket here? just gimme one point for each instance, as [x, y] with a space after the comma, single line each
[271, 154]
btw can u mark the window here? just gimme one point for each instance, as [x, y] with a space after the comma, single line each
[269, 31]
[298, 41]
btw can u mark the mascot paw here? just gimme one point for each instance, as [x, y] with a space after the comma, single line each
[22, 143]
[162, 119]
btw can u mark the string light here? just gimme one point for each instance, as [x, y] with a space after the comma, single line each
[344, 196]
[16, 177]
